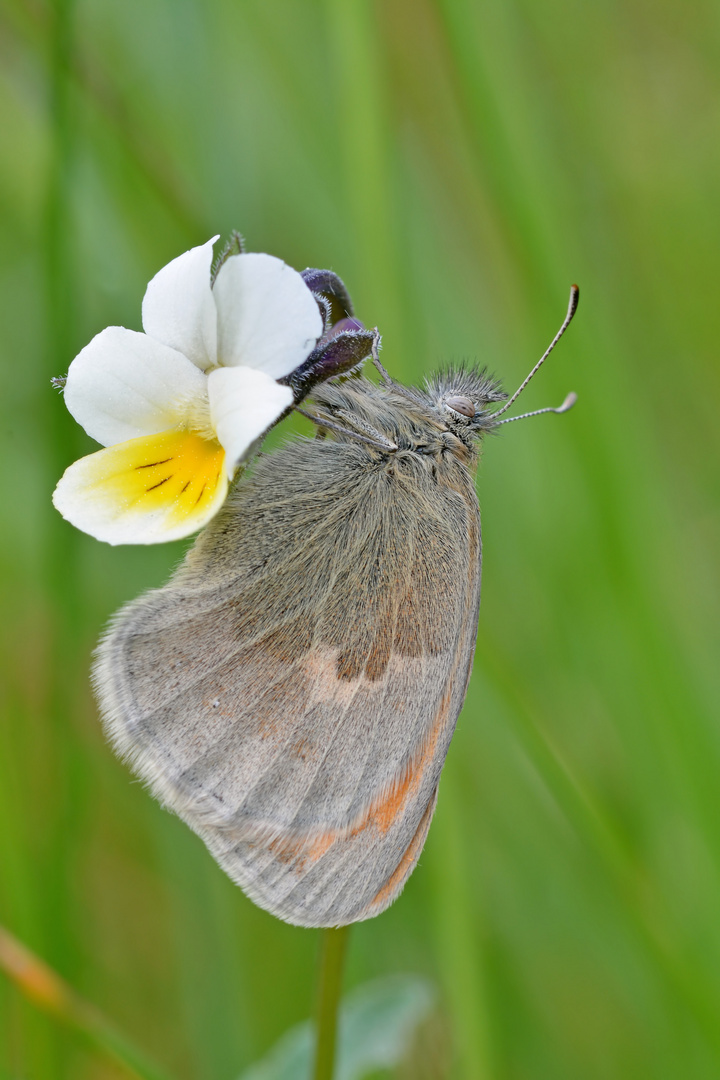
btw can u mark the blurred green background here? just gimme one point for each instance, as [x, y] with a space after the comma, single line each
[459, 163]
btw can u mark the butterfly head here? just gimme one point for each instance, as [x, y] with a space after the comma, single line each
[465, 399]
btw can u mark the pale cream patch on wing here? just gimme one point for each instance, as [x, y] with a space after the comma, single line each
[320, 669]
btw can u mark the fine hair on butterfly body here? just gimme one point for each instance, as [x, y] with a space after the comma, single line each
[291, 693]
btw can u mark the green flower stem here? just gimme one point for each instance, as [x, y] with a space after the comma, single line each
[45, 989]
[332, 958]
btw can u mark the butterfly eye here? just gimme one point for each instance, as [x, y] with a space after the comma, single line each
[462, 405]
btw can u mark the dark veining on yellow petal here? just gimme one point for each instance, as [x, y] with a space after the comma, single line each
[154, 463]
[160, 483]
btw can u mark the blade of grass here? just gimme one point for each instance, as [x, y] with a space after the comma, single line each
[649, 921]
[45, 989]
[164, 179]
[458, 936]
[361, 112]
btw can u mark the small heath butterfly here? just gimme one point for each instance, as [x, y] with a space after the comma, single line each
[291, 693]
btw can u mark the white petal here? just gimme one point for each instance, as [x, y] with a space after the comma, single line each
[267, 316]
[244, 403]
[145, 491]
[179, 309]
[124, 384]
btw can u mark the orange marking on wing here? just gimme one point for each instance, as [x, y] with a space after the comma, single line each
[300, 850]
[404, 867]
[322, 843]
[382, 814]
[386, 810]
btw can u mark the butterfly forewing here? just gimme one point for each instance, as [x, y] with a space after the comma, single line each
[292, 692]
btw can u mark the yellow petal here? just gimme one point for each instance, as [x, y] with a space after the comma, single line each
[145, 491]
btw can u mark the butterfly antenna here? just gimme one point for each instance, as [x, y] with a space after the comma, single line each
[572, 308]
[567, 404]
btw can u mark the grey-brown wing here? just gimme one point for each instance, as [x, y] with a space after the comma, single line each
[291, 693]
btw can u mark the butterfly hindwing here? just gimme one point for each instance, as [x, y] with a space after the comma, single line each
[291, 693]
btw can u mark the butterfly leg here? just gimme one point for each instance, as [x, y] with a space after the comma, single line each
[367, 429]
[376, 343]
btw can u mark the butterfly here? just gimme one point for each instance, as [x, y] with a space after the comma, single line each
[291, 693]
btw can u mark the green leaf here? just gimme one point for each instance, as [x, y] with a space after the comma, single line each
[376, 1027]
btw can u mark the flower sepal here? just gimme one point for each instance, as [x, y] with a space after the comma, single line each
[343, 350]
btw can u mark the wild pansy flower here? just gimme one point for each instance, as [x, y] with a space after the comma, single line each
[180, 406]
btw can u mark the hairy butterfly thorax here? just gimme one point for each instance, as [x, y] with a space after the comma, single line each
[447, 417]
